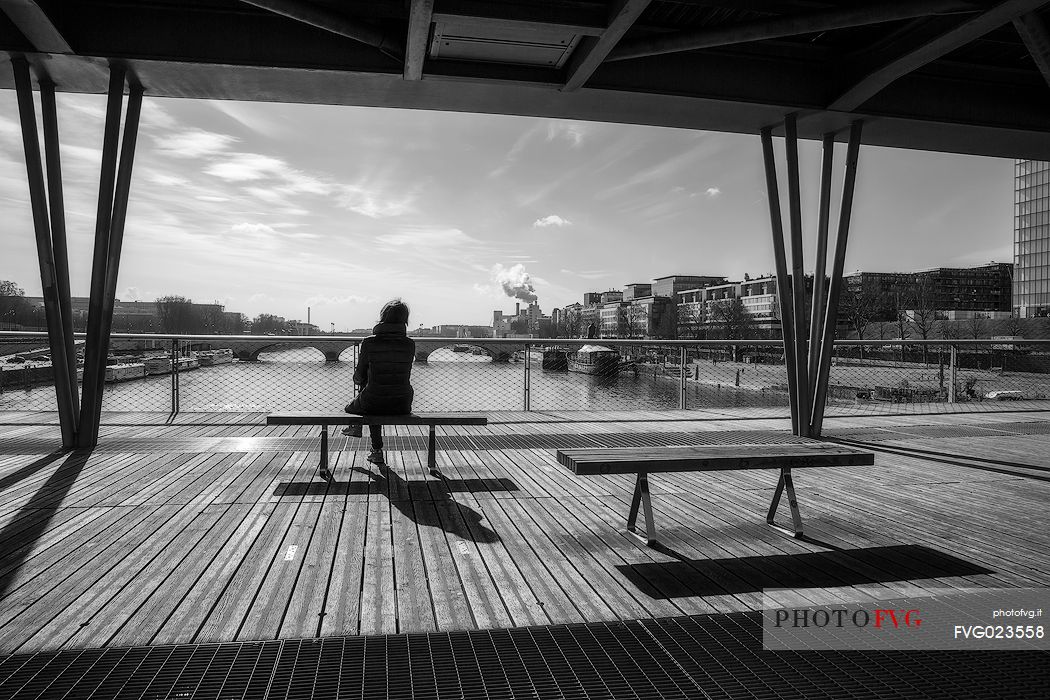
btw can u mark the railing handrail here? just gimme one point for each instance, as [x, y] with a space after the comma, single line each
[630, 342]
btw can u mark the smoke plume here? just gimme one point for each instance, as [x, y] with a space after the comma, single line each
[515, 282]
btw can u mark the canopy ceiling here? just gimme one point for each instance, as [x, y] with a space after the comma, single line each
[965, 76]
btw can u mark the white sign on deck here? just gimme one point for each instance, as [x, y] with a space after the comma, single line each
[290, 554]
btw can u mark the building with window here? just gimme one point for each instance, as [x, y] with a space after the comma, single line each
[636, 290]
[950, 292]
[1031, 281]
[673, 285]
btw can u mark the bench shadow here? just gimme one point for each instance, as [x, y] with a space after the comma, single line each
[363, 488]
[448, 514]
[844, 567]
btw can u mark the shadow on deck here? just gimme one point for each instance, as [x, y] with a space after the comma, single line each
[200, 534]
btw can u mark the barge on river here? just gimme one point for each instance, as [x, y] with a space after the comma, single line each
[595, 359]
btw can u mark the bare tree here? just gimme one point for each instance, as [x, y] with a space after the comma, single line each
[977, 328]
[859, 306]
[951, 330]
[901, 320]
[690, 321]
[572, 323]
[177, 314]
[14, 308]
[1015, 327]
[732, 321]
[923, 315]
[264, 324]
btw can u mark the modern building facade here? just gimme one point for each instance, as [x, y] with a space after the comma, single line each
[947, 291]
[673, 285]
[1031, 281]
[636, 290]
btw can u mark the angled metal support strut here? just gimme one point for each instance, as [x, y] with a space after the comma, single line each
[51, 252]
[114, 188]
[820, 381]
[783, 291]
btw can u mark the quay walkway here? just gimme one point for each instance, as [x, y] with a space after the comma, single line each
[203, 558]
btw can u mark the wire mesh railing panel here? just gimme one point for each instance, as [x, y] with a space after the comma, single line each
[938, 378]
[462, 377]
[261, 374]
[295, 379]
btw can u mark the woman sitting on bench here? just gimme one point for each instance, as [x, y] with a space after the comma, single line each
[384, 367]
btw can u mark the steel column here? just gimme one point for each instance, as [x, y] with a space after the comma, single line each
[528, 379]
[681, 378]
[831, 312]
[49, 282]
[96, 347]
[56, 202]
[777, 227]
[798, 276]
[816, 324]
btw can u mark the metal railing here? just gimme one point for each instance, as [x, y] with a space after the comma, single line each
[195, 373]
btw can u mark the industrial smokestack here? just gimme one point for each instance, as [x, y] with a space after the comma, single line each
[517, 309]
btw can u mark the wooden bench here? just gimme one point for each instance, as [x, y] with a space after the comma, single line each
[646, 460]
[326, 419]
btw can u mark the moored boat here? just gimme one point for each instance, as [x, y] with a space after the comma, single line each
[555, 359]
[207, 358]
[158, 365]
[460, 348]
[122, 373]
[595, 359]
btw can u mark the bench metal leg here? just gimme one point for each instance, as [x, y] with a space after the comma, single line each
[323, 466]
[641, 497]
[432, 452]
[783, 483]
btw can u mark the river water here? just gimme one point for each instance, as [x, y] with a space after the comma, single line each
[301, 380]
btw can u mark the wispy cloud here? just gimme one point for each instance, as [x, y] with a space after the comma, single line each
[712, 191]
[425, 237]
[252, 228]
[551, 220]
[375, 202]
[587, 274]
[572, 131]
[246, 167]
[332, 300]
[193, 143]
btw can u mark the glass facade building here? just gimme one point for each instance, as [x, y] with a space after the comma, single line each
[1031, 287]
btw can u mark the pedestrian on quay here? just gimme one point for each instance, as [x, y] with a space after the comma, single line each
[383, 372]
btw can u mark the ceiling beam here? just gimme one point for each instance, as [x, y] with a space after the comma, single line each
[419, 17]
[788, 25]
[947, 42]
[333, 22]
[1035, 36]
[591, 52]
[588, 20]
[34, 23]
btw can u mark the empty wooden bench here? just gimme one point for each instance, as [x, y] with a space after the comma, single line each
[326, 419]
[646, 460]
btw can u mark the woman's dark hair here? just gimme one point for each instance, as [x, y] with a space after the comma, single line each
[394, 311]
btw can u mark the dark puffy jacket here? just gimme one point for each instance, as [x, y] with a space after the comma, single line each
[384, 367]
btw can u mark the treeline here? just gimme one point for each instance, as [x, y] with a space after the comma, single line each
[168, 314]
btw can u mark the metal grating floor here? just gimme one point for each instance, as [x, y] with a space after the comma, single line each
[709, 656]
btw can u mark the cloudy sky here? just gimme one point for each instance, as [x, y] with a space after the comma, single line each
[275, 208]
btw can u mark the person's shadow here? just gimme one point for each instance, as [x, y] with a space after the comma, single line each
[428, 502]
[438, 508]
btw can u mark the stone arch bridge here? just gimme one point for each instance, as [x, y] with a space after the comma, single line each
[248, 350]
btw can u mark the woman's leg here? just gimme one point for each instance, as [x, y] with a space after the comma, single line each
[375, 434]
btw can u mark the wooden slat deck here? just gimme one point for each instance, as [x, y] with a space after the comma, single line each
[215, 528]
